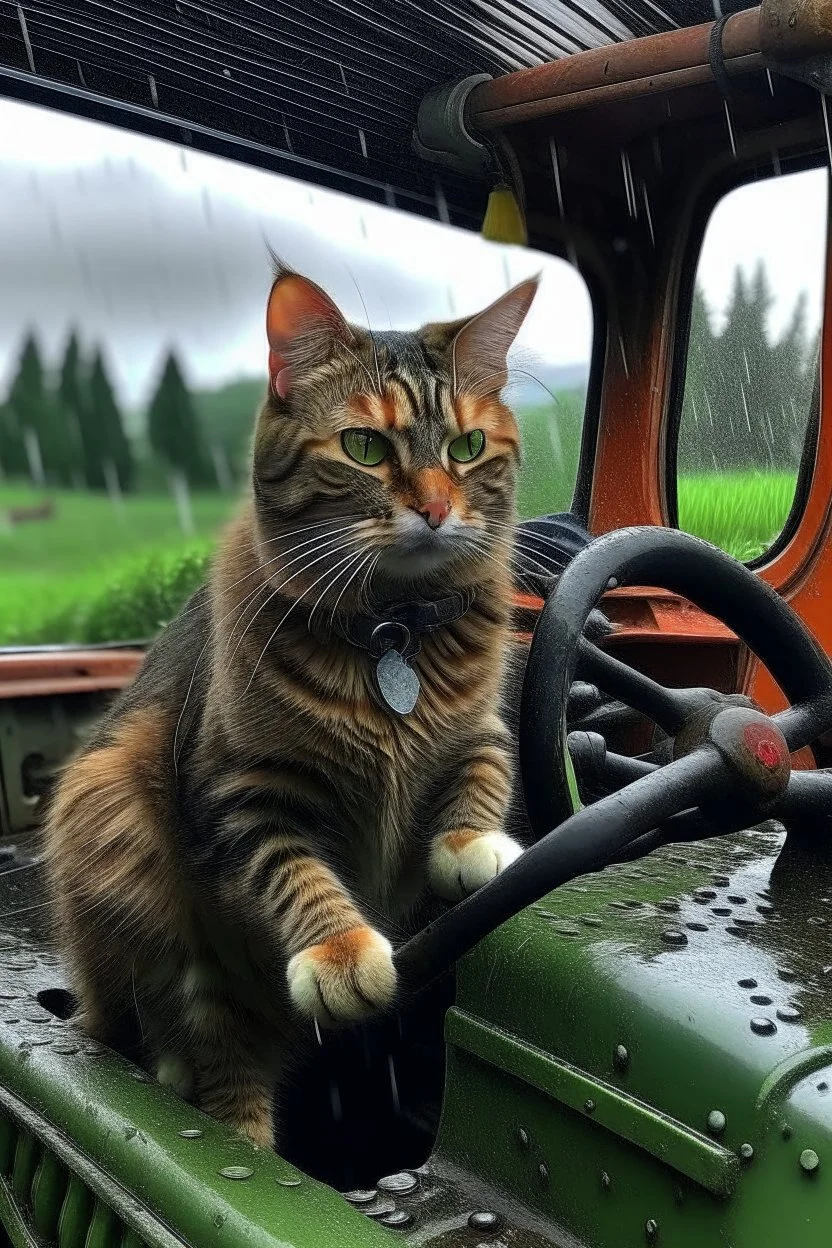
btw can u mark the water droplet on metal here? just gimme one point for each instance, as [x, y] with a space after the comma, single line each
[669, 907]
[289, 1182]
[746, 1152]
[380, 1209]
[697, 927]
[705, 894]
[589, 1105]
[763, 1027]
[674, 937]
[723, 911]
[737, 899]
[606, 1181]
[651, 1230]
[721, 881]
[484, 1221]
[398, 1184]
[191, 1133]
[361, 1197]
[219, 1219]
[398, 1218]
[747, 983]
[809, 1161]
[789, 1014]
[787, 975]
[765, 907]
[759, 998]
[621, 1057]
[236, 1172]
[543, 1171]
[523, 1137]
[716, 1122]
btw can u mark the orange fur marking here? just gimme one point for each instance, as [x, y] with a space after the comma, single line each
[457, 841]
[345, 949]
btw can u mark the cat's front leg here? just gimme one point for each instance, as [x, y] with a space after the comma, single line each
[338, 968]
[471, 847]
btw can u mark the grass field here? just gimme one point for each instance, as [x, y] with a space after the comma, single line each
[94, 573]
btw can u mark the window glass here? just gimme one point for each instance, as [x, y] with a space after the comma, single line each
[752, 368]
[132, 303]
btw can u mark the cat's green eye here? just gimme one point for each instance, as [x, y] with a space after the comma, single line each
[467, 447]
[365, 446]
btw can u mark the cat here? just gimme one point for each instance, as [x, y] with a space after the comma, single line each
[252, 822]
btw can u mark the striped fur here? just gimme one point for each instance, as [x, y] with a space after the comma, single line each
[249, 831]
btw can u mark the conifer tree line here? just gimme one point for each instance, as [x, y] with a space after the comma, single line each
[66, 428]
[746, 403]
[747, 396]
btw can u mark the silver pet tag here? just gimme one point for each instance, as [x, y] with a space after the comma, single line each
[397, 682]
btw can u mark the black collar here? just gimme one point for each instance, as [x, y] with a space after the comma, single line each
[402, 625]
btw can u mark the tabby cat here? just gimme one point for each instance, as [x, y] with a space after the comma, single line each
[253, 821]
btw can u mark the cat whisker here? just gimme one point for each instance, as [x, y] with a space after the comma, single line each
[369, 329]
[361, 364]
[329, 539]
[26, 866]
[344, 589]
[284, 537]
[222, 619]
[283, 619]
[348, 542]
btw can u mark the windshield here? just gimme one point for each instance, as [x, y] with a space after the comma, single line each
[132, 356]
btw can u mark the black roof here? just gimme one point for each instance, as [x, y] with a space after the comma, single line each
[325, 89]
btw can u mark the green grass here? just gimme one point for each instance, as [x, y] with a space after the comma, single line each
[742, 513]
[91, 574]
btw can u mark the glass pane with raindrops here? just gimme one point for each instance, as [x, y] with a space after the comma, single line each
[752, 380]
[135, 275]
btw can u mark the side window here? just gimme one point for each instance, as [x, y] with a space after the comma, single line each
[133, 357]
[752, 371]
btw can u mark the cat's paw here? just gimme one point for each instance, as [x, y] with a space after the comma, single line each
[345, 978]
[461, 862]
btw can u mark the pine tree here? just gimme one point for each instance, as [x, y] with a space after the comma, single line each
[34, 436]
[173, 429]
[105, 445]
[71, 399]
[696, 431]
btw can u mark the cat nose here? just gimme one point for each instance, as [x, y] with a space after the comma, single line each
[435, 511]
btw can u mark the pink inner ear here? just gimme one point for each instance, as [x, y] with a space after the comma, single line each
[280, 383]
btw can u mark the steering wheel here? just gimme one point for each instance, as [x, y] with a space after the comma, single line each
[726, 752]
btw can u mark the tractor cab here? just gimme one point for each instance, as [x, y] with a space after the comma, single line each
[626, 1038]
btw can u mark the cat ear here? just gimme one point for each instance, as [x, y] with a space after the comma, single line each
[303, 326]
[480, 349]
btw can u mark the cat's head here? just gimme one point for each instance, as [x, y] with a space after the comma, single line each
[385, 452]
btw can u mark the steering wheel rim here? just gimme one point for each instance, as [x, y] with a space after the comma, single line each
[685, 565]
[715, 770]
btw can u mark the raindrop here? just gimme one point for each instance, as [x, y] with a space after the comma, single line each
[363, 142]
[318, 1036]
[730, 125]
[154, 94]
[335, 1101]
[770, 81]
[553, 150]
[441, 204]
[825, 108]
[809, 1161]
[629, 190]
[623, 355]
[394, 1087]
[647, 211]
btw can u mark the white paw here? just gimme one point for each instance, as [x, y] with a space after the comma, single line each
[461, 862]
[345, 978]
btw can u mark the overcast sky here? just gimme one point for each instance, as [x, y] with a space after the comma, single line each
[142, 245]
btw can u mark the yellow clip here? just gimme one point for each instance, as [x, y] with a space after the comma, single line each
[504, 221]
